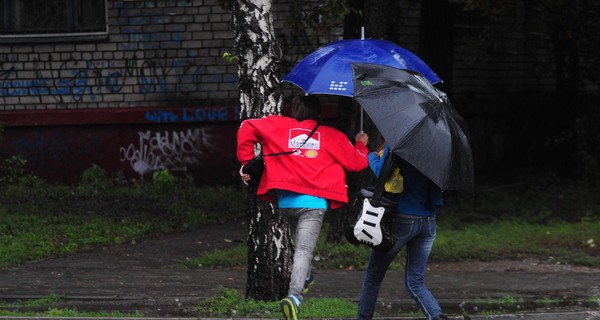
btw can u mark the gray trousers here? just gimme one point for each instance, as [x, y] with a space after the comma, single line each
[308, 227]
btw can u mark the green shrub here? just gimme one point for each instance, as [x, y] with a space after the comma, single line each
[12, 171]
[163, 177]
[95, 177]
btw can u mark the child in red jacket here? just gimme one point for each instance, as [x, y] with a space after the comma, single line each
[308, 175]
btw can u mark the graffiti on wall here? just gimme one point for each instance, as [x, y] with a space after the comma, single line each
[62, 153]
[73, 80]
[140, 62]
[194, 115]
[172, 150]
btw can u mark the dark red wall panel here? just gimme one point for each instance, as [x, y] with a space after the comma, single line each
[59, 145]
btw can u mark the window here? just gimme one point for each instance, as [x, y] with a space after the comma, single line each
[39, 20]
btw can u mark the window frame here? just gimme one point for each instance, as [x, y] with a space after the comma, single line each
[34, 37]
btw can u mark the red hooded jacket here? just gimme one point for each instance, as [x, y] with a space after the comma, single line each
[316, 169]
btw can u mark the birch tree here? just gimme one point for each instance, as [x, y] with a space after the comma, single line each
[270, 252]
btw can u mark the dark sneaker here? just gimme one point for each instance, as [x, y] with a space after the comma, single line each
[309, 282]
[289, 309]
[441, 317]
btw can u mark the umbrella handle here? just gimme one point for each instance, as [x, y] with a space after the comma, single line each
[362, 37]
[361, 119]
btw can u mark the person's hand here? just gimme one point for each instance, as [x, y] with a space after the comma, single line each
[381, 150]
[362, 137]
[245, 177]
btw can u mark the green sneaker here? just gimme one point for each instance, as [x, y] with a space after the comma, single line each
[289, 309]
[309, 282]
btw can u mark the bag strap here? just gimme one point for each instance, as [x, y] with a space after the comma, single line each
[384, 174]
[293, 151]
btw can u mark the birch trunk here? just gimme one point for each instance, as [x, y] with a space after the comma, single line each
[270, 251]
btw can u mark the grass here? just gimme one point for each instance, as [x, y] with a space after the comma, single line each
[70, 313]
[235, 256]
[26, 309]
[40, 220]
[27, 237]
[570, 243]
[231, 304]
[566, 242]
[41, 302]
[531, 217]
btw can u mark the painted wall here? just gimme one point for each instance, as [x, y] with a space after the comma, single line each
[155, 94]
[198, 141]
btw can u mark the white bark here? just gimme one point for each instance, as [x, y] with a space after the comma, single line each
[259, 55]
[269, 246]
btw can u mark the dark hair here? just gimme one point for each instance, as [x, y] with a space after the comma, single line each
[306, 107]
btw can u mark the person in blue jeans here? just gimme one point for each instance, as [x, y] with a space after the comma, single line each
[413, 226]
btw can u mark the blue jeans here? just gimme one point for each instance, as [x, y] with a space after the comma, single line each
[418, 234]
[307, 233]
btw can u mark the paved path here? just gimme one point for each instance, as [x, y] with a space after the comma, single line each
[143, 276]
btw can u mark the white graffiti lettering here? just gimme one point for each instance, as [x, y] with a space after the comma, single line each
[174, 151]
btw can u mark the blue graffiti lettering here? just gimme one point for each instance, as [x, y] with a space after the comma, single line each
[212, 114]
[97, 78]
[161, 116]
[187, 117]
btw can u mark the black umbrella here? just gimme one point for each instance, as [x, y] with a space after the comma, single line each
[418, 122]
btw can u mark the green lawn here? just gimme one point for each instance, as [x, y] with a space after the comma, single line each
[527, 219]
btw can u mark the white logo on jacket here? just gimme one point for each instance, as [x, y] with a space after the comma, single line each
[298, 136]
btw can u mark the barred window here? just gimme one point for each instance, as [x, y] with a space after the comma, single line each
[28, 20]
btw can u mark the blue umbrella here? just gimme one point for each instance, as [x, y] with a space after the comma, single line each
[327, 70]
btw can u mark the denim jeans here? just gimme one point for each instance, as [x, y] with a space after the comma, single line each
[308, 227]
[417, 234]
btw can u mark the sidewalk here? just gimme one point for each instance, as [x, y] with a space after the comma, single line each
[141, 276]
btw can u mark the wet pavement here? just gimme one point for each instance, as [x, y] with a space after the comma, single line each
[143, 276]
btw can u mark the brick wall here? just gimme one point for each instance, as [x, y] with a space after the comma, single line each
[158, 52]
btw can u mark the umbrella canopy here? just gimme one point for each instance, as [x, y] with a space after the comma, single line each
[418, 123]
[327, 70]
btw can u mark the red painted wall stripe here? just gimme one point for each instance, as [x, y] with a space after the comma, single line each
[139, 115]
